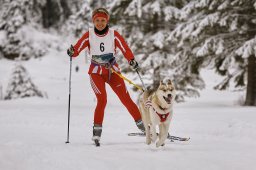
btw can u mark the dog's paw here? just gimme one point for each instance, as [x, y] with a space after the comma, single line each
[148, 142]
[158, 144]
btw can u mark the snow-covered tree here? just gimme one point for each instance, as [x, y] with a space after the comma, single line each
[55, 12]
[22, 24]
[248, 53]
[20, 85]
[79, 21]
[13, 16]
[147, 24]
[219, 34]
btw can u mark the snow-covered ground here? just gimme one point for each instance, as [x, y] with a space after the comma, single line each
[33, 131]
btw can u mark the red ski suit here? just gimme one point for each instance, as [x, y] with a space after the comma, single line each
[99, 75]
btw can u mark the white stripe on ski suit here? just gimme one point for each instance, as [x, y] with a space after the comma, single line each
[116, 68]
[120, 44]
[95, 91]
[87, 39]
[95, 69]
[95, 88]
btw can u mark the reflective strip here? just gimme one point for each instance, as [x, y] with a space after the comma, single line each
[94, 87]
[120, 44]
[87, 39]
[95, 69]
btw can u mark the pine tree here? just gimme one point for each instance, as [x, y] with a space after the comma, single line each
[146, 24]
[219, 34]
[80, 20]
[20, 85]
[13, 16]
[22, 23]
[55, 12]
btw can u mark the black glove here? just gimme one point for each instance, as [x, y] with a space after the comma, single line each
[133, 63]
[71, 51]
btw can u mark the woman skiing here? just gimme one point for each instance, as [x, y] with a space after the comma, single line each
[102, 43]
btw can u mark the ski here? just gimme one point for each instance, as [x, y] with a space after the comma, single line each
[136, 134]
[172, 138]
[96, 142]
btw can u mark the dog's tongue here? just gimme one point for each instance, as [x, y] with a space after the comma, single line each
[170, 98]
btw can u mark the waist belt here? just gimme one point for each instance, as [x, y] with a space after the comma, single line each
[108, 65]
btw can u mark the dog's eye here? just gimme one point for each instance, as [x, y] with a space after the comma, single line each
[170, 89]
[164, 90]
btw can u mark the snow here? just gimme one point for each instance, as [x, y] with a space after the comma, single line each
[33, 130]
[156, 8]
[2, 36]
[139, 11]
[158, 39]
[224, 5]
[204, 50]
[203, 3]
[172, 12]
[133, 9]
[248, 48]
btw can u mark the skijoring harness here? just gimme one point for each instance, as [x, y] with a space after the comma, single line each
[105, 60]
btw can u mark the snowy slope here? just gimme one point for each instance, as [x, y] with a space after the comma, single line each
[33, 131]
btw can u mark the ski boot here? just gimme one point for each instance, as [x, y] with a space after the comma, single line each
[97, 129]
[140, 125]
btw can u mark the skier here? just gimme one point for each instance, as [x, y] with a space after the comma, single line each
[102, 43]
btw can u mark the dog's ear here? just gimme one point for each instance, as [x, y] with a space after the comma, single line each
[161, 83]
[169, 82]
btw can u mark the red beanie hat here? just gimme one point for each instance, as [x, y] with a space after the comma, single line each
[100, 12]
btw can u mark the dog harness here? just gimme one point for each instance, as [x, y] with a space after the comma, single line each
[105, 60]
[162, 117]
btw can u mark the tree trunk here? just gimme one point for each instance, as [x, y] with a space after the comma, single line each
[55, 12]
[251, 82]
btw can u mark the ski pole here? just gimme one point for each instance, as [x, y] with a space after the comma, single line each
[69, 98]
[144, 87]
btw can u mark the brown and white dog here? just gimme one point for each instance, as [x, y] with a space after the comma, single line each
[156, 110]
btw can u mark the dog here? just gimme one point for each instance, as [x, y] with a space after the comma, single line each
[156, 109]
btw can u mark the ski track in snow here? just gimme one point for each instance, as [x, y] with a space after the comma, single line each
[33, 131]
